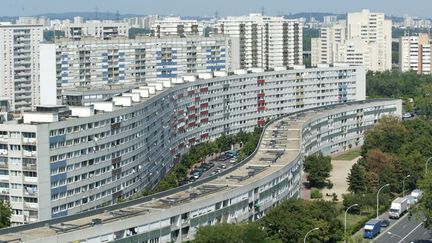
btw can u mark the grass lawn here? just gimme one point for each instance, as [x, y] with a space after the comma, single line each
[352, 219]
[349, 155]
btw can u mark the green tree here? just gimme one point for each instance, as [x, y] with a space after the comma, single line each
[222, 233]
[425, 203]
[357, 179]
[291, 220]
[388, 136]
[5, 214]
[318, 168]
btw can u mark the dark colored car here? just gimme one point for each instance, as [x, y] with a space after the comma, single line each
[385, 223]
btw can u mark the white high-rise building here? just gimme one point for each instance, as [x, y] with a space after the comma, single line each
[326, 48]
[364, 40]
[415, 53]
[262, 41]
[19, 65]
[170, 26]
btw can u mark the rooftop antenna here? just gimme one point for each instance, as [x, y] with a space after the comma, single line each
[96, 12]
[216, 15]
[262, 11]
[118, 15]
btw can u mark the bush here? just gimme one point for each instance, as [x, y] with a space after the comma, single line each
[316, 194]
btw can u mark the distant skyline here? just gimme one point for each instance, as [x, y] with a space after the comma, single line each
[419, 8]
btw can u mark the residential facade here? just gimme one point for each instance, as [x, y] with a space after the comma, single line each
[63, 160]
[415, 54]
[262, 41]
[19, 65]
[91, 62]
[245, 192]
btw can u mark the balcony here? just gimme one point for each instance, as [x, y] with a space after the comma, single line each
[4, 191]
[31, 206]
[3, 152]
[29, 140]
[27, 153]
[4, 165]
[32, 167]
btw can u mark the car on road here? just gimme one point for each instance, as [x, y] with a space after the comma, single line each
[372, 228]
[417, 195]
[385, 223]
[217, 171]
[223, 166]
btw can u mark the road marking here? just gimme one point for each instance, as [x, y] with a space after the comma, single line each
[391, 226]
[412, 231]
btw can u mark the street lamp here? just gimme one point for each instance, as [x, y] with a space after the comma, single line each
[378, 198]
[346, 211]
[304, 240]
[400, 237]
[426, 166]
[403, 185]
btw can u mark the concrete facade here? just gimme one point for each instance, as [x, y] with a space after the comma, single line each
[244, 193]
[19, 65]
[74, 159]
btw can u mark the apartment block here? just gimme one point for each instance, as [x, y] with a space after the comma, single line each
[262, 41]
[102, 30]
[175, 26]
[91, 62]
[19, 65]
[62, 160]
[245, 192]
[365, 40]
[415, 54]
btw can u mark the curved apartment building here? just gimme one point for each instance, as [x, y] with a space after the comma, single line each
[61, 160]
[245, 192]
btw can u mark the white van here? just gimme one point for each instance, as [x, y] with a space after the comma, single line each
[417, 195]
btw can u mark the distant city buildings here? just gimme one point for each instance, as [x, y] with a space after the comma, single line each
[19, 65]
[103, 30]
[171, 26]
[263, 41]
[364, 40]
[415, 54]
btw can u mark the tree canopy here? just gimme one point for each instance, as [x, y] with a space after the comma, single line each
[5, 214]
[318, 168]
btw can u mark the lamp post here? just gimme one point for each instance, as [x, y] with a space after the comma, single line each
[346, 211]
[304, 240]
[400, 237]
[403, 185]
[378, 198]
[426, 165]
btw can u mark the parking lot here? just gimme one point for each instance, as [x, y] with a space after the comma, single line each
[213, 166]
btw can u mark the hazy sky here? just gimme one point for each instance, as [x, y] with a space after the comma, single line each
[420, 8]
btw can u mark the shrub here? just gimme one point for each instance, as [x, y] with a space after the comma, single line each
[316, 194]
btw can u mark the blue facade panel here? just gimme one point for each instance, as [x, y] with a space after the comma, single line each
[56, 139]
[60, 214]
[58, 164]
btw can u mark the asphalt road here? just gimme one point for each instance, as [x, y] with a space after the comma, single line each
[406, 229]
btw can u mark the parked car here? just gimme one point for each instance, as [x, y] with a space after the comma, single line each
[385, 223]
[223, 166]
